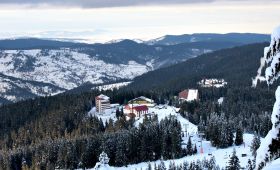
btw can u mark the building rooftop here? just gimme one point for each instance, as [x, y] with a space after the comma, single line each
[102, 97]
[143, 98]
[189, 95]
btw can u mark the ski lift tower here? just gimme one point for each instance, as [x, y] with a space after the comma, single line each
[201, 136]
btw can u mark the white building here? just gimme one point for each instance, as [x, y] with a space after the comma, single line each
[102, 103]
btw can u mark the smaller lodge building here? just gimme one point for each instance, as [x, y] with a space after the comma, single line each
[188, 95]
[138, 107]
[135, 110]
[142, 101]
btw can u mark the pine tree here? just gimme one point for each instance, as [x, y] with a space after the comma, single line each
[118, 113]
[255, 145]
[250, 165]
[121, 156]
[189, 147]
[229, 134]
[239, 136]
[103, 158]
[103, 162]
[155, 166]
[195, 149]
[149, 166]
[212, 163]
[172, 166]
[185, 165]
[161, 166]
[233, 163]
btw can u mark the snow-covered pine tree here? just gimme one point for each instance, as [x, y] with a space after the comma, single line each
[149, 166]
[234, 163]
[255, 145]
[155, 166]
[172, 166]
[212, 163]
[198, 165]
[103, 162]
[103, 158]
[121, 149]
[270, 147]
[250, 165]
[229, 133]
[185, 165]
[161, 166]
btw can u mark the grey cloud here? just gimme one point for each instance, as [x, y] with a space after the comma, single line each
[98, 3]
[112, 3]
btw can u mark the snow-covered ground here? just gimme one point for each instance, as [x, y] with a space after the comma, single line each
[163, 111]
[274, 165]
[221, 155]
[65, 68]
[106, 115]
[9, 88]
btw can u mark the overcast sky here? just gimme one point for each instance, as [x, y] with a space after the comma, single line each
[103, 20]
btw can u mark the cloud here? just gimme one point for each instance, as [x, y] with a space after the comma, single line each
[113, 3]
[97, 3]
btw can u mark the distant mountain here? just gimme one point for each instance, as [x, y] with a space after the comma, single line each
[236, 65]
[35, 67]
[14, 89]
[35, 43]
[157, 55]
[243, 38]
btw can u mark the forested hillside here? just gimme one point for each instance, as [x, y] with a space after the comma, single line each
[56, 131]
[236, 65]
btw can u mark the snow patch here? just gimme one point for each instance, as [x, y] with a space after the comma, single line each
[65, 68]
[112, 86]
[212, 83]
[274, 165]
[220, 100]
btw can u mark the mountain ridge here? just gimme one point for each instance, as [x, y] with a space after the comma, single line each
[63, 66]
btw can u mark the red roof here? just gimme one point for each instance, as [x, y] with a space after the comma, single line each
[137, 108]
[102, 97]
[183, 94]
[141, 108]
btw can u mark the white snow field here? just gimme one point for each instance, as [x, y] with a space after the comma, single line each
[106, 115]
[65, 68]
[274, 165]
[221, 155]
